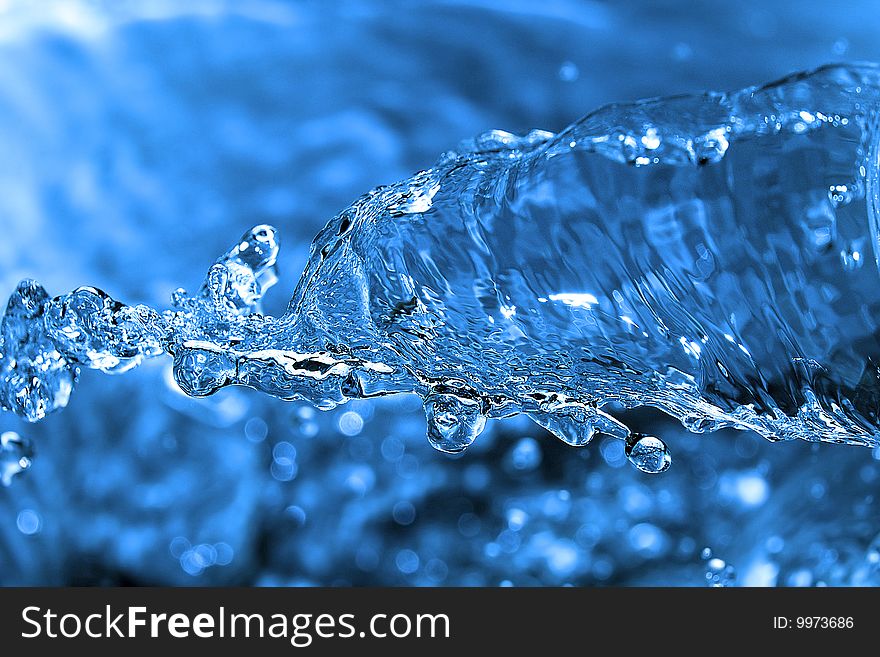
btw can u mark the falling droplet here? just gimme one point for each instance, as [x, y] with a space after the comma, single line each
[16, 455]
[453, 422]
[648, 453]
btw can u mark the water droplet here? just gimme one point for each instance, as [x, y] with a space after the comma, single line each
[569, 72]
[436, 570]
[570, 429]
[29, 522]
[576, 424]
[774, 544]
[296, 514]
[404, 513]
[16, 455]
[453, 422]
[711, 147]
[89, 327]
[350, 423]
[240, 277]
[407, 561]
[179, 545]
[224, 553]
[682, 52]
[256, 429]
[852, 257]
[872, 554]
[179, 297]
[719, 573]
[648, 453]
[201, 372]
[35, 379]
[525, 454]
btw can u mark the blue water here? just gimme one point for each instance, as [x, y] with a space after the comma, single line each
[143, 484]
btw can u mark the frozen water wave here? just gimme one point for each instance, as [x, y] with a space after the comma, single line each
[711, 255]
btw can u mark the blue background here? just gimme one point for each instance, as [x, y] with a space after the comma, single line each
[139, 140]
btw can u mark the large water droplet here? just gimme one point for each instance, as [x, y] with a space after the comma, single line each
[201, 372]
[648, 453]
[453, 422]
[16, 455]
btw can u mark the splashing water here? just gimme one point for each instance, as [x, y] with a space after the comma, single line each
[713, 256]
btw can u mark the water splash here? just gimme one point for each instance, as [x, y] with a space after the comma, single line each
[704, 255]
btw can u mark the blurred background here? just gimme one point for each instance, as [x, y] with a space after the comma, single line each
[138, 140]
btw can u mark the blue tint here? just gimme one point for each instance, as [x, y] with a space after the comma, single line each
[137, 144]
